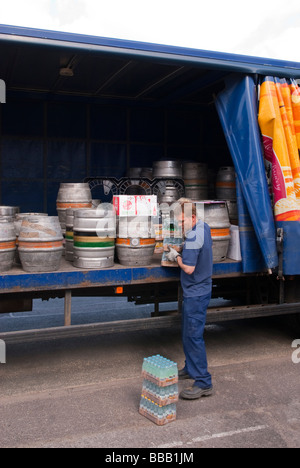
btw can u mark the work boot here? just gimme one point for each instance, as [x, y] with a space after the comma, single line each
[195, 392]
[183, 375]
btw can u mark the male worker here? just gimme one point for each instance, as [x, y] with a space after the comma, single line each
[196, 263]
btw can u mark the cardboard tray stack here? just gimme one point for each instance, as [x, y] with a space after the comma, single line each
[160, 390]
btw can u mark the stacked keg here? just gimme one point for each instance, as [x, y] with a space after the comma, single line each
[72, 196]
[215, 214]
[140, 172]
[9, 212]
[147, 173]
[226, 184]
[226, 190]
[69, 234]
[136, 242]
[167, 169]
[18, 223]
[135, 251]
[7, 244]
[94, 237]
[195, 177]
[8, 239]
[169, 193]
[40, 243]
[134, 173]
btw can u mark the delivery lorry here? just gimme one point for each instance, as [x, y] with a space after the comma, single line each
[80, 108]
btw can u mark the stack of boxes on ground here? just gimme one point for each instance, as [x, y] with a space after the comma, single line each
[160, 390]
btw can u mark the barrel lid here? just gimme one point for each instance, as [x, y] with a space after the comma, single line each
[100, 212]
[9, 210]
[167, 163]
[74, 185]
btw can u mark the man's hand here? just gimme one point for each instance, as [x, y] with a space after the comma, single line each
[172, 255]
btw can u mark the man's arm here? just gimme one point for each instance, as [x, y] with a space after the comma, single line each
[189, 270]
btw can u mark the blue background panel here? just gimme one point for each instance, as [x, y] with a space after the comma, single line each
[66, 160]
[67, 120]
[22, 158]
[147, 125]
[108, 123]
[108, 159]
[144, 155]
[23, 118]
[44, 143]
[27, 194]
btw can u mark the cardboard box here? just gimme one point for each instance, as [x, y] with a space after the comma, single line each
[135, 205]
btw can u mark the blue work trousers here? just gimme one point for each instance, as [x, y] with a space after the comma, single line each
[193, 323]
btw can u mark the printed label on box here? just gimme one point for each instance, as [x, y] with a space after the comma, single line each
[135, 205]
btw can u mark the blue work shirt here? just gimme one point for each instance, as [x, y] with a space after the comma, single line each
[197, 252]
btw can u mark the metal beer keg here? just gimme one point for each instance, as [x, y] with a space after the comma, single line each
[94, 237]
[40, 244]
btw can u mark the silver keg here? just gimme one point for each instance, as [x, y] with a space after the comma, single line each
[8, 212]
[94, 237]
[70, 234]
[167, 169]
[18, 223]
[135, 251]
[215, 214]
[195, 177]
[72, 196]
[226, 183]
[147, 172]
[169, 195]
[40, 244]
[21, 216]
[7, 244]
[134, 172]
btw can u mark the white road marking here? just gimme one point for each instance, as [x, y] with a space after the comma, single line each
[215, 436]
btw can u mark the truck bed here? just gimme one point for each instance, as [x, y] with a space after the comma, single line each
[68, 277]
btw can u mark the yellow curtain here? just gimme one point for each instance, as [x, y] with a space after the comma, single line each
[279, 120]
[295, 98]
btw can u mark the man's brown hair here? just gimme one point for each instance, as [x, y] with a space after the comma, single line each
[185, 206]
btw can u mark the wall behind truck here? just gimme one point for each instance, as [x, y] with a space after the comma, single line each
[48, 141]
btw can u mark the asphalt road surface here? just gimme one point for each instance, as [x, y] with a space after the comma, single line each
[85, 392]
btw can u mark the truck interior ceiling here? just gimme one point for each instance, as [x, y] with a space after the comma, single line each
[75, 113]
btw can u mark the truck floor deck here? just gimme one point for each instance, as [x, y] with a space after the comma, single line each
[69, 277]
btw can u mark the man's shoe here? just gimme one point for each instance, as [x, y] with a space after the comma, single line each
[193, 393]
[183, 375]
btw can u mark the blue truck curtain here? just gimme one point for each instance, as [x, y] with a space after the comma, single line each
[237, 109]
